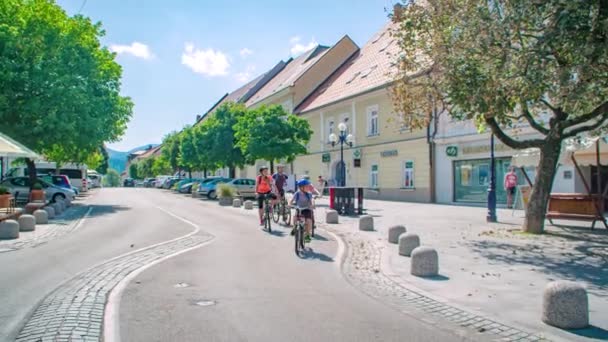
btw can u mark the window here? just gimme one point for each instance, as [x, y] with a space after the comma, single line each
[372, 121]
[330, 128]
[23, 182]
[408, 175]
[373, 177]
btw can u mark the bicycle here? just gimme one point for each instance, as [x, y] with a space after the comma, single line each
[267, 214]
[281, 210]
[300, 231]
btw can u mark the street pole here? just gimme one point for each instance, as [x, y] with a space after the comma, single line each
[342, 168]
[492, 190]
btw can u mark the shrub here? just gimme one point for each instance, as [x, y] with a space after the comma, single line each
[37, 186]
[4, 190]
[225, 190]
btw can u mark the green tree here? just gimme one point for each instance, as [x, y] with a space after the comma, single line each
[506, 62]
[203, 144]
[133, 168]
[170, 150]
[102, 168]
[111, 179]
[160, 166]
[188, 156]
[60, 88]
[224, 150]
[144, 167]
[270, 133]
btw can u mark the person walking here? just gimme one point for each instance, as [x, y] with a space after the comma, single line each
[510, 185]
[321, 185]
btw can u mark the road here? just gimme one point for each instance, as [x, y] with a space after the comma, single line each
[242, 284]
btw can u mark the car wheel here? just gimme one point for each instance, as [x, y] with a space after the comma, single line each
[212, 195]
[58, 197]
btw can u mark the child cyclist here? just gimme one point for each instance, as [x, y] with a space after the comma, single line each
[304, 201]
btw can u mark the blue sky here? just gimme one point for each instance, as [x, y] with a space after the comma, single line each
[179, 57]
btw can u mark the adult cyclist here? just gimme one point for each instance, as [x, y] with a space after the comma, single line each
[263, 188]
[280, 179]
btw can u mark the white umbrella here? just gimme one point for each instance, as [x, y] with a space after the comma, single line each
[13, 149]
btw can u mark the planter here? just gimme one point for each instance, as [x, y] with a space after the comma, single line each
[5, 201]
[225, 201]
[36, 195]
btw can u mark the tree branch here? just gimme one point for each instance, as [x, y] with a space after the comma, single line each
[533, 123]
[601, 110]
[600, 121]
[507, 140]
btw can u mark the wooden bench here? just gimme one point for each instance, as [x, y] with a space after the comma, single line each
[576, 207]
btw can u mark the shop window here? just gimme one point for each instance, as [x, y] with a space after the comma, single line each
[408, 175]
[373, 177]
[472, 179]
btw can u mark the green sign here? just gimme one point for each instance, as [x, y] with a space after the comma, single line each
[452, 151]
[357, 154]
[326, 157]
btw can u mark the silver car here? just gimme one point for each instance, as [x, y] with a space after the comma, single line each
[245, 187]
[20, 188]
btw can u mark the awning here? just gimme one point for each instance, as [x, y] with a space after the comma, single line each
[11, 148]
[583, 149]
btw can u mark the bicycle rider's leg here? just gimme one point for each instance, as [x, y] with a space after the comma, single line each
[261, 207]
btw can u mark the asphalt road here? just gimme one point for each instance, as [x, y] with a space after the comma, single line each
[119, 218]
[248, 285]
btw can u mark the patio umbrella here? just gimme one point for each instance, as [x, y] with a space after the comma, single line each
[13, 149]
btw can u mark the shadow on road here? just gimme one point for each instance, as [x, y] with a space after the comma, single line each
[101, 210]
[310, 254]
[591, 332]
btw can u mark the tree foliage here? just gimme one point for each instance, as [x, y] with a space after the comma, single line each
[501, 63]
[221, 141]
[60, 88]
[188, 157]
[102, 168]
[271, 134]
[170, 150]
[145, 167]
[160, 166]
[111, 178]
[133, 171]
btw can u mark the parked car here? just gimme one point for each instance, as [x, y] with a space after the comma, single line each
[160, 181]
[245, 187]
[20, 188]
[180, 182]
[169, 182]
[128, 183]
[208, 188]
[186, 188]
[61, 181]
[149, 182]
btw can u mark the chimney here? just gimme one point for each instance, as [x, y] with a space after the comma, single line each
[397, 12]
[198, 118]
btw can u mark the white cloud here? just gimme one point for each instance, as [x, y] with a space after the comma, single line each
[208, 62]
[245, 76]
[245, 52]
[136, 49]
[298, 48]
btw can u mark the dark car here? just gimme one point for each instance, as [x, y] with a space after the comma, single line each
[129, 183]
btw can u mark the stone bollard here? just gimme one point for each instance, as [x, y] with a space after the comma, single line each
[50, 211]
[565, 305]
[41, 216]
[331, 216]
[62, 204]
[68, 202]
[248, 205]
[366, 223]
[425, 262]
[9, 229]
[394, 232]
[236, 202]
[58, 208]
[407, 243]
[27, 223]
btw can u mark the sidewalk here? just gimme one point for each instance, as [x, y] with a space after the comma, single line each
[492, 269]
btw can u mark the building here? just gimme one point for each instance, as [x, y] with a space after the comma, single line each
[387, 158]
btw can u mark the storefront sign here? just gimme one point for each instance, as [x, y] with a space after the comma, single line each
[357, 153]
[326, 158]
[389, 153]
[483, 149]
[451, 151]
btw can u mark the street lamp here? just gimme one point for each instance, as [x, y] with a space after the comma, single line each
[492, 189]
[343, 138]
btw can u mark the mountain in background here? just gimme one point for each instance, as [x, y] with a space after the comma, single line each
[117, 160]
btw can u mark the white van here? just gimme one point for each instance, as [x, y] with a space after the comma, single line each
[76, 173]
[95, 179]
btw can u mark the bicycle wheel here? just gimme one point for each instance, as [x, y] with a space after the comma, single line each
[276, 213]
[302, 233]
[267, 218]
[297, 238]
[286, 215]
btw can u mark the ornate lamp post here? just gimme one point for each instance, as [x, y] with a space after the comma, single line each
[343, 138]
[492, 189]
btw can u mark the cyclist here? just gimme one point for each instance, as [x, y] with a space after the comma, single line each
[312, 190]
[280, 179]
[304, 201]
[263, 187]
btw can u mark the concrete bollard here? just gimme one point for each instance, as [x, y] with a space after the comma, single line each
[236, 202]
[407, 243]
[394, 232]
[41, 216]
[366, 223]
[9, 229]
[50, 211]
[58, 208]
[565, 305]
[331, 216]
[248, 205]
[425, 262]
[27, 223]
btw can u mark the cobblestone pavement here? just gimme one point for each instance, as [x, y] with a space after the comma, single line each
[63, 224]
[362, 268]
[75, 311]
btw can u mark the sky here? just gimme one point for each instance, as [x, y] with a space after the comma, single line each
[179, 57]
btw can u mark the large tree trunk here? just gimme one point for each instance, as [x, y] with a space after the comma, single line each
[232, 172]
[31, 169]
[539, 198]
[272, 167]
